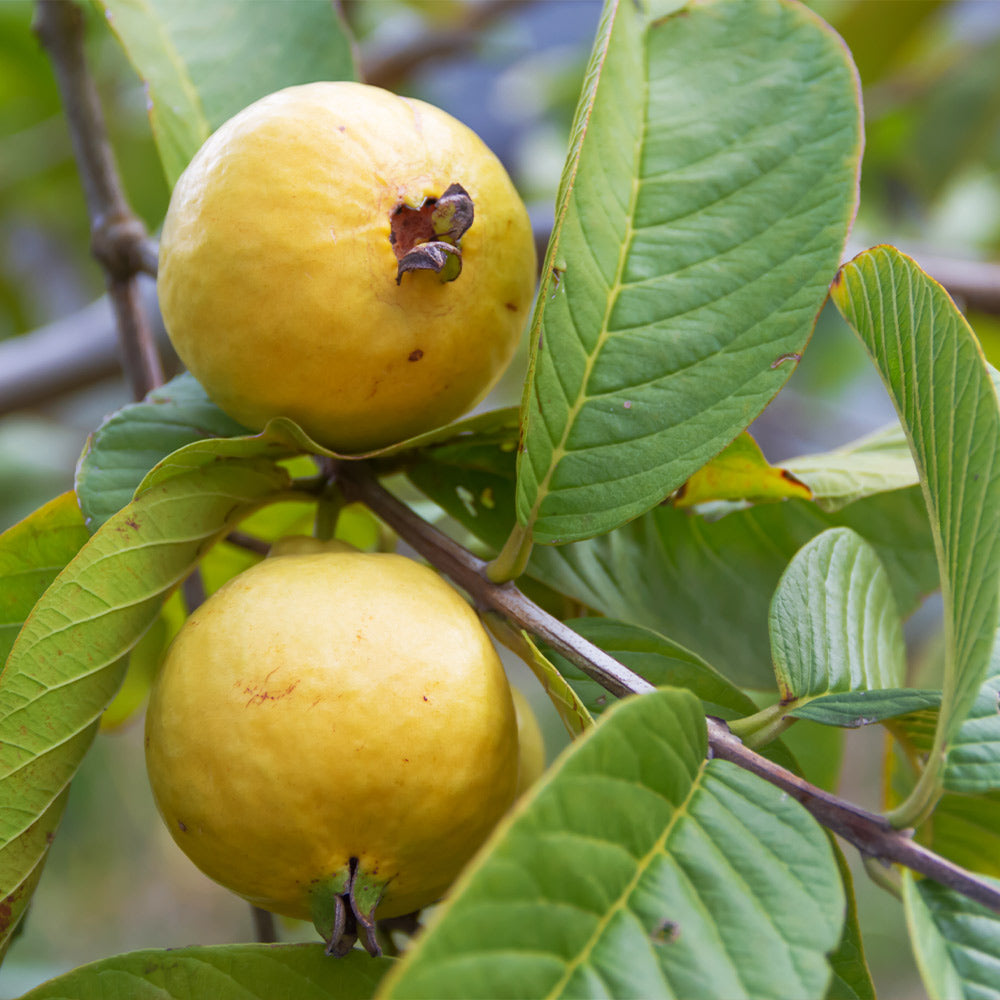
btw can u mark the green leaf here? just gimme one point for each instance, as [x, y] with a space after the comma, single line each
[852, 979]
[204, 62]
[740, 472]
[964, 827]
[637, 868]
[143, 662]
[876, 463]
[973, 762]
[661, 662]
[68, 660]
[851, 709]
[180, 418]
[130, 442]
[966, 830]
[32, 552]
[710, 183]
[943, 391]
[676, 572]
[833, 622]
[974, 757]
[222, 972]
[955, 940]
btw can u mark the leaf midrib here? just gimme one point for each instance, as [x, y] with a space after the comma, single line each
[560, 449]
[620, 904]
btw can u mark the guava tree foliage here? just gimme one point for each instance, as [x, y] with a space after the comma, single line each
[674, 849]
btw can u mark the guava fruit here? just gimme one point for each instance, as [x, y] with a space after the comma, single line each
[332, 736]
[354, 260]
[530, 741]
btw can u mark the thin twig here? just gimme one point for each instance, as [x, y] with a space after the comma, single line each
[70, 353]
[265, 929]
[118, 238]
[390, 69]
[869, 832]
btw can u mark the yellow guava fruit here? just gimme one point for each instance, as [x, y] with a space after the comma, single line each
[299, 261]
[531, 743]
[333, 729]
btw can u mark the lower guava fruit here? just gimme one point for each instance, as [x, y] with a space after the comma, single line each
[332, 736]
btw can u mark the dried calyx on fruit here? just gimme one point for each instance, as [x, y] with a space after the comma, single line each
[428, 238]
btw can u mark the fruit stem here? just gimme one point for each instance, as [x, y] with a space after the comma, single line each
[331, 503]
[512, 559]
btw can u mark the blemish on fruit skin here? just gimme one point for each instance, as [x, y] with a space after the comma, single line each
[258, 696]
[415, 355]
[426, 698]
[182, 826]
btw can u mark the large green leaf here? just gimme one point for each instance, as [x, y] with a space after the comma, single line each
[677, 572]
[833, 622]
[180, 418]
[661, 662]
[956, 941]
[966, 829]
[711, 180]
[852, 979]
[944, 394]
[203, 62]
[636, 868]
[222, 972]
[130, 442]
[878, 462]
[974, 757]
[32, 552]
[680, 574]
[851, 709]
[664, 663]
[68, 659]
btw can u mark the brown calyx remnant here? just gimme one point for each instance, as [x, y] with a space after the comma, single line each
[343, 908]
[428, 237]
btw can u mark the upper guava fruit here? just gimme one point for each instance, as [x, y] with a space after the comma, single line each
[294, 265]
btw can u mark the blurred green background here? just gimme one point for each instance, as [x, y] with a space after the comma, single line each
[931, 185]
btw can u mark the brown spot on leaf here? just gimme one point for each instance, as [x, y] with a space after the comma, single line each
[782, 358]
[666, 932]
